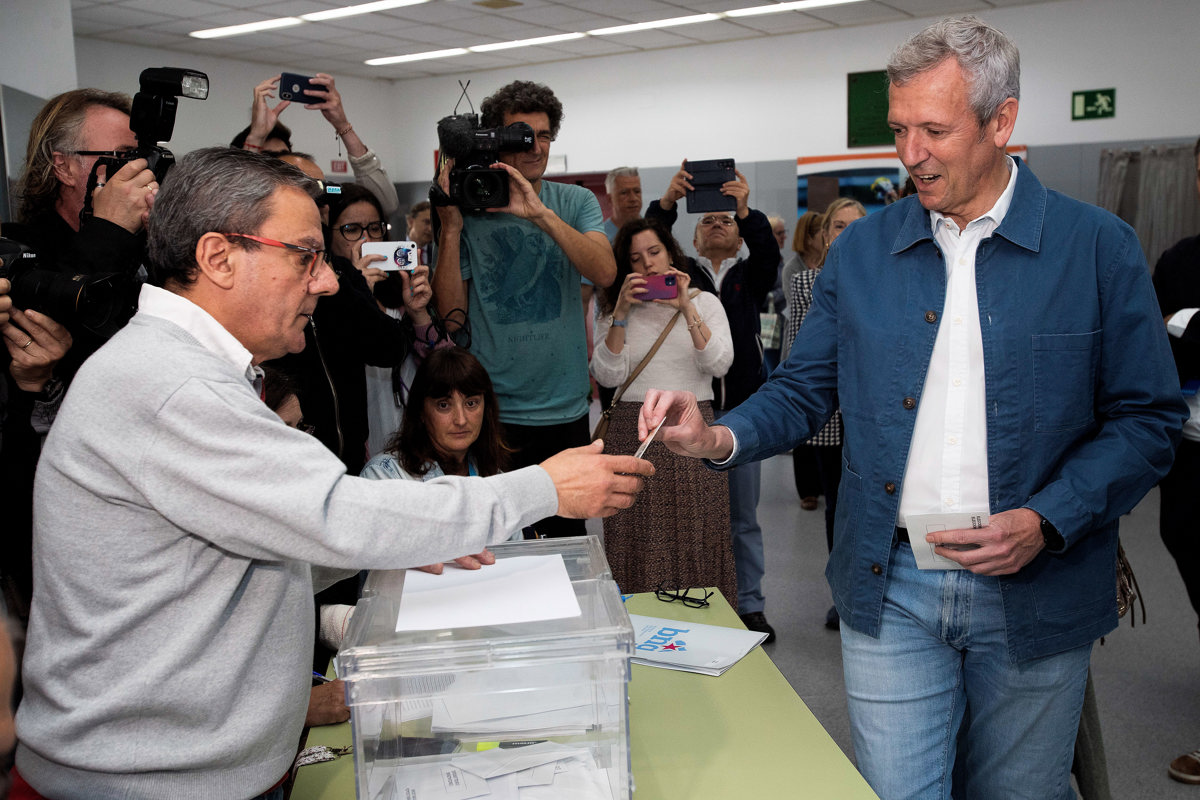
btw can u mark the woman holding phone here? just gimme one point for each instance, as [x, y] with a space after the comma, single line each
[677, 534]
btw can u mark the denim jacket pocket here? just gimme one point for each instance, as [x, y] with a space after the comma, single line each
[1064, 378]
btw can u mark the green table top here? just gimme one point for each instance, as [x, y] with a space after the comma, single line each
[743, 734]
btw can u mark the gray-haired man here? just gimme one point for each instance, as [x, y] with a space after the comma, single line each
[990, 364]
[177, 516]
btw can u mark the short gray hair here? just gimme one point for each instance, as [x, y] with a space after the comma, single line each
[988, 57]
[610, 180]
[215, 189]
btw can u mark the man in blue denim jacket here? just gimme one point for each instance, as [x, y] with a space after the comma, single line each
[996, 349]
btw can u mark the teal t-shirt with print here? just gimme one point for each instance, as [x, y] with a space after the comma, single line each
[525, 308]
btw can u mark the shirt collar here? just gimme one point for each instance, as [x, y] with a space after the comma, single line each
[178, 310]
[995, 215]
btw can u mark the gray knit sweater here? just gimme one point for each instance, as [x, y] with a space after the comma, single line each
[175, 521]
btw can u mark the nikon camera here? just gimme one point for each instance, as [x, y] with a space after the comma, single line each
[100, 303]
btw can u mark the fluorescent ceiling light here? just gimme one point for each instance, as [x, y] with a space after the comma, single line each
[775, 8]
[249, 27]
[362, 8]
[561, 37]
[659, 23]
[454, 51]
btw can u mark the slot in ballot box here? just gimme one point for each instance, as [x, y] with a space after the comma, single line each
[523, 710]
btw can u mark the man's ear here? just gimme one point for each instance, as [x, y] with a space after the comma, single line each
[218, 259]
[62, 169]
[1005, 120]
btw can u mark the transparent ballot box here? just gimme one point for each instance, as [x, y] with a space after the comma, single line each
[527, 710]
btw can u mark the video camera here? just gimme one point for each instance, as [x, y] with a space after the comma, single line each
[100, 303]
[152, 120]
[474, 183]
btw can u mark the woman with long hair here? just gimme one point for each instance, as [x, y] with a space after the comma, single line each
[677, 533]
[451, 423]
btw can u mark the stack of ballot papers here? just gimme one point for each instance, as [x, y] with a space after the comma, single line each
[690, 646]
[542, 771]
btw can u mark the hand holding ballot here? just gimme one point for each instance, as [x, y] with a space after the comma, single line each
[686, 432]
[590, 484]
[1008, 542]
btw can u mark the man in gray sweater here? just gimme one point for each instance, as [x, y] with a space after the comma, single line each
[177, 517]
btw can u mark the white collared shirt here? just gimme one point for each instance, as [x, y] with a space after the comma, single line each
[718, 276]
[180, 311]
[947, 468]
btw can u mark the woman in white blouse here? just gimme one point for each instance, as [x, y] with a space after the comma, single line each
[677, 533]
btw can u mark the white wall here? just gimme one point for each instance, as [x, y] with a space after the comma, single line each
[214, 121]
[773, 98]
[37, 52]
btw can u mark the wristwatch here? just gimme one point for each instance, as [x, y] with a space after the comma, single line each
[1055, 543]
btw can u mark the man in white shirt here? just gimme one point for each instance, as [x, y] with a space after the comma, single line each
[991, 365]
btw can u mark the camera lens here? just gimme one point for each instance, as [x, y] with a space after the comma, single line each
[485, 189]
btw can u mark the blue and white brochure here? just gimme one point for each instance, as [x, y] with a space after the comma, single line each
[690, 646]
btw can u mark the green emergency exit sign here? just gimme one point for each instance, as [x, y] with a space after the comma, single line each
[1094, 104]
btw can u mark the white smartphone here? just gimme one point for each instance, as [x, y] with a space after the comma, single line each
[398, 255]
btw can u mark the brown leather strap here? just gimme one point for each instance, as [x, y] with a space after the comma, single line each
[642, 364]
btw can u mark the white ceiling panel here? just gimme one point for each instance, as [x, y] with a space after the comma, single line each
[441, 24]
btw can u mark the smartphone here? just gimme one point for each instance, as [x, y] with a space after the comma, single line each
[293, 87]
[660, 287]
[707, 179]
[399, 255]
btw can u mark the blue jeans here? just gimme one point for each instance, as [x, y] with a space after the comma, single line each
[273, 794]
[748, 560]
[937, 687]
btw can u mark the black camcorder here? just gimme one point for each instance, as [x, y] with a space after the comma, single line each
[152, 120]
[474, 183]
[100, 303]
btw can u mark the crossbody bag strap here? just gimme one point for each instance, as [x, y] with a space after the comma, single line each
[658, 343]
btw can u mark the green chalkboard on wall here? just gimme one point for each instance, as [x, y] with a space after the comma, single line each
[866, 109]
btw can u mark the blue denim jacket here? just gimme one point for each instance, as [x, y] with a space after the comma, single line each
[1083, 406]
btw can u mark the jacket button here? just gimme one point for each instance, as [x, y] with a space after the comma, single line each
[876, 569]
[910, 403]
[931, 316]
[889, 487]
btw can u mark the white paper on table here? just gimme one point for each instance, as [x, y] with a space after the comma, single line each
[502, 761]
[521, 589]
[921, 524]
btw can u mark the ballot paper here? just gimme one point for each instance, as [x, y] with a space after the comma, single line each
[921, 524]
[690, 646]
[521, 589]
[543, 771]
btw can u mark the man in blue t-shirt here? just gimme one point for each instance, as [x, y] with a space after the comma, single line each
[513, 275]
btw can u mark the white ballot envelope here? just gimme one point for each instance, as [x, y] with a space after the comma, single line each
[921, 524]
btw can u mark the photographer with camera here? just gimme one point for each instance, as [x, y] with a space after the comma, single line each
[71, 131]
[266, 132]
[510, 277]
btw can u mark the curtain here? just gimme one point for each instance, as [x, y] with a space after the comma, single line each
[1152, 189]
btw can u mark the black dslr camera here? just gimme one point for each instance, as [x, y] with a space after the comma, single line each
[474, 184]
[100, 303]
[152, 120]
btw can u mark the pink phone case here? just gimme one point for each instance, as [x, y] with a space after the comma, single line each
[660, 287]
